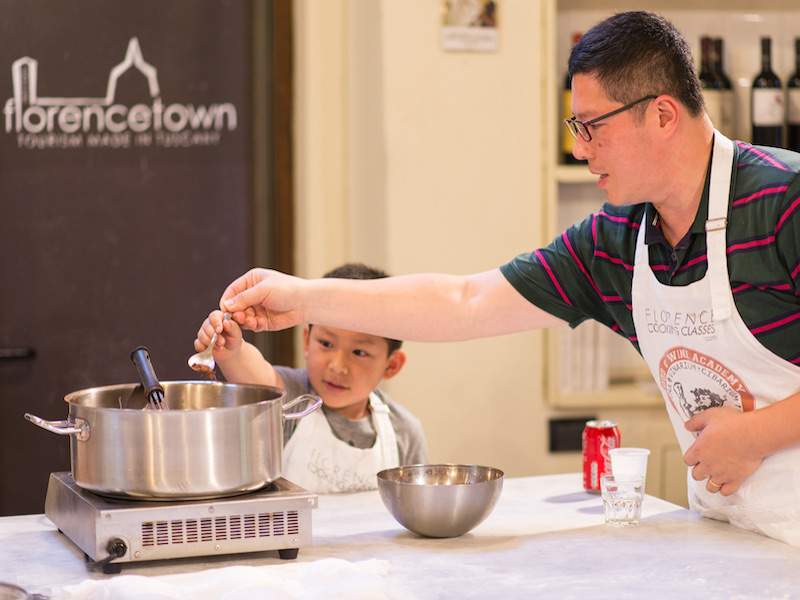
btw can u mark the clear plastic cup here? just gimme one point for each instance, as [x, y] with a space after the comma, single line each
[629, 463]
[622, 500]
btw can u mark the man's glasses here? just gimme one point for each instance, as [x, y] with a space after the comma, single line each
[581, 128]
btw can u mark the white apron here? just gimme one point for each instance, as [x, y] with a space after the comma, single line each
[314, 458]
[702, 355]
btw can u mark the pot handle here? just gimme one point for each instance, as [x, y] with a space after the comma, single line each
[79, 428]
[315, 404]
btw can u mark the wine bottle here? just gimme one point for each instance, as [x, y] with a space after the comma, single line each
[793, 102]
[567, 141]
[727, 97]
[766, 108]
[712, 95]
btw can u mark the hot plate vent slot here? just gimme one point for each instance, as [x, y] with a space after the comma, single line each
[191, 531]
[205, 530]
[208, 529]
[294, 522]
[177, 532]
[249, 526]
[278, 523]
[235, 524]
[147, 534]
[162, 533]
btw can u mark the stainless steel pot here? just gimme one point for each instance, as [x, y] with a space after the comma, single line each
[216, 439]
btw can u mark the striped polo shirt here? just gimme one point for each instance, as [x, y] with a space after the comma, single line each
[587, 272]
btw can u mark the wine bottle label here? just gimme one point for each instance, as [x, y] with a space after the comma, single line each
[567, 141]
[713, 102]
[793, 108]
[767, 107]
[728, 124]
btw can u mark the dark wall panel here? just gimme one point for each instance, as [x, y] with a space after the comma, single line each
[125, 200]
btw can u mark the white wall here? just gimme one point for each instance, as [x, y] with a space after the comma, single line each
[415, 159]
[320, 71]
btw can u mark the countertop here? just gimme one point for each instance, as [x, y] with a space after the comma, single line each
[545, 538]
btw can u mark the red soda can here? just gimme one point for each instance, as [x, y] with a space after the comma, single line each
[598, 438]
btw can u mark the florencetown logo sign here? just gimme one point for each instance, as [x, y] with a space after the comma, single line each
[39, 122]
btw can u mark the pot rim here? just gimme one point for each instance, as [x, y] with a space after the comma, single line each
[70, 397]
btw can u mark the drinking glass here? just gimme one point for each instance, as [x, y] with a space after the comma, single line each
[622, 500]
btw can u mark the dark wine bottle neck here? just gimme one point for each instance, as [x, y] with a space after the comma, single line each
[766, 55]
[706, 75]
[797, 57]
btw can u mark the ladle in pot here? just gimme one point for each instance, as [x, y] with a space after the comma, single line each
[153, 390]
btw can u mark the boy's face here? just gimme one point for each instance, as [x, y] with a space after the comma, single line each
[345, 366]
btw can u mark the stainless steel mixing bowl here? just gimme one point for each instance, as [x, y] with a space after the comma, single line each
[440, 500]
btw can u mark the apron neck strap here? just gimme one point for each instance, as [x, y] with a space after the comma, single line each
[383, 427]
[716, 225]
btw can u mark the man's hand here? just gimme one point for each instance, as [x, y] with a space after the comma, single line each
[725, 451]
[263, 300]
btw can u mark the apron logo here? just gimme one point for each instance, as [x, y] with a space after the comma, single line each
[50, 122]
[683, 324]
[693, 382]
[338, 478]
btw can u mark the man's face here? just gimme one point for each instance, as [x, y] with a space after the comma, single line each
[345, 366]
[620, 151]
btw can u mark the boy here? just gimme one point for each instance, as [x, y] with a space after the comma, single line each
[359, 430]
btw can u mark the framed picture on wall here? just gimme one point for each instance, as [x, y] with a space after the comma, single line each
[469, 25]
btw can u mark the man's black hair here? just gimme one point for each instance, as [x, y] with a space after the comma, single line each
[635, 54]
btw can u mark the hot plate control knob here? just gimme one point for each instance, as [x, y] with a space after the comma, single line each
[116, 547]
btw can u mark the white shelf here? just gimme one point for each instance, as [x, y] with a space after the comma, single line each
[626, 395]
[574, 174]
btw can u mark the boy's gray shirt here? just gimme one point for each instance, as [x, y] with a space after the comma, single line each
[361, 433]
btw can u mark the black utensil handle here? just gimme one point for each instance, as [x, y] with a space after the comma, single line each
[147, 375]
[17, 353]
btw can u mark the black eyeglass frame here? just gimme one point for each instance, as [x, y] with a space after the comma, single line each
[581, 128]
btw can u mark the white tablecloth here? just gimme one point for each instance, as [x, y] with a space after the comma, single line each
[326, 578]
[544, 539]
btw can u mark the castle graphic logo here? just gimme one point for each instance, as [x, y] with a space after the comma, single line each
[693, 382]
[49, 122]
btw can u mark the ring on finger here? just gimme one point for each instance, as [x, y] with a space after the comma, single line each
[717, 486]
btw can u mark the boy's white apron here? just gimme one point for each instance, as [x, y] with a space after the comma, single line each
[314, 458]
[702, 355]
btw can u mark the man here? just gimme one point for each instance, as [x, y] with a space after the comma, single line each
[695, 259]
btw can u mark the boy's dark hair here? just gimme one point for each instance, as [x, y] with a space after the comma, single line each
[635, 54]
[362, 271]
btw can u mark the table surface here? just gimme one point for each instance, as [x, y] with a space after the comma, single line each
[545, 538]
